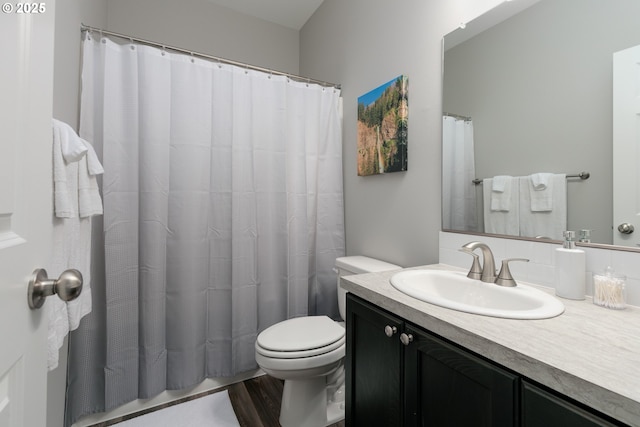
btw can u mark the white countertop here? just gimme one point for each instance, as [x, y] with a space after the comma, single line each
[589, 353]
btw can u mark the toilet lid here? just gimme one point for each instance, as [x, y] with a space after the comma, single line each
[301, 333]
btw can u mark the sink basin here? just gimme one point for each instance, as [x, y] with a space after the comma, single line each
[454, 290]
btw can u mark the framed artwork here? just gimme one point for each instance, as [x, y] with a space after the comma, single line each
[382, 128]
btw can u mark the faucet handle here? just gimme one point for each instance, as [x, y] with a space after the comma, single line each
[476, 271]
[504, 277]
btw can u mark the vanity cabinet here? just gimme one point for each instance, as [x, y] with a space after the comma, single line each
[398, 374]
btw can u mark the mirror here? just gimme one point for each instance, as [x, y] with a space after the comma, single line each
[535, 79]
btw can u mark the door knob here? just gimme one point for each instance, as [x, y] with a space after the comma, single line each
[390, 330]
[625, 228]
[68, 286]
[406, 339]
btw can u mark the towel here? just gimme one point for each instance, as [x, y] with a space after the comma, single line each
[72, 146]
[63, 190]
[89, 200]
[501, 221]
[541, 192]
[540, 180]
[550, 223]
[501, 193]
[76, 199]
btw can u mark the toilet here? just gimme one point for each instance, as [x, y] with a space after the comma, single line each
[308, 354]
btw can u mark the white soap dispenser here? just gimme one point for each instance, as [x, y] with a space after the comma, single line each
[570, 269]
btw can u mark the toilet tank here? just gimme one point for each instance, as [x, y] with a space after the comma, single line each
[357, 264]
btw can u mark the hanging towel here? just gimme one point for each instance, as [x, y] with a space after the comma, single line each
[76, 199]
[541, 192]
[550, 223]
[89, 200]
[73, 148]
[64, 189]
[540, 180]
[505, 221]
[501, 190]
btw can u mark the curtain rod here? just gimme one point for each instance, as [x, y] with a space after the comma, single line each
[581, 175]
[457, 116]
[84, 27]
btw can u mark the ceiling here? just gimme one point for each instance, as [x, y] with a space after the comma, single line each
[289, 13]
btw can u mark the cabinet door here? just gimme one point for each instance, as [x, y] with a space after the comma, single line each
[541, 408]
[373, 366]
[447, 386]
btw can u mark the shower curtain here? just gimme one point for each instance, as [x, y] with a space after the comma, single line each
[223, 214]
[459, 211]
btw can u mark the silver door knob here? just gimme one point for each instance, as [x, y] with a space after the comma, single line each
[406, 339]
[390, 330]
[625, 228]
[68, 287]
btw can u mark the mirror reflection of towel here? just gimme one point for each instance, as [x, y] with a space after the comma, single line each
[550, 223]
[501, 191]
[541, 192]
[505, 221]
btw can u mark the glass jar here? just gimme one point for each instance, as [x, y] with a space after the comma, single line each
[609, 290]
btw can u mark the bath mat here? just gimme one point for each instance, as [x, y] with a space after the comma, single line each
[214, 410]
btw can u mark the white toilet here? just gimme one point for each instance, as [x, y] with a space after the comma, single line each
[308, 352]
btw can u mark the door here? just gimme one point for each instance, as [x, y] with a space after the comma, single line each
[373, 366]
[626, 147]
[540, 408]
[26, 93]
[446, 386]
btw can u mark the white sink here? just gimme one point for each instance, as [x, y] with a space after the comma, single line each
[454, 290]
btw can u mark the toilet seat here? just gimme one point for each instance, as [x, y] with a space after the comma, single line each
[301, 337]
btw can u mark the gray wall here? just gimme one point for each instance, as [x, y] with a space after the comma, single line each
[362, 44]
[203, 27]
[539, 90]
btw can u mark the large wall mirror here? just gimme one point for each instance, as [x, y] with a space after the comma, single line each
[529, 90]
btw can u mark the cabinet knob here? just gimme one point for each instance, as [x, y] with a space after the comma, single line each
[390, 330]
[406, 339]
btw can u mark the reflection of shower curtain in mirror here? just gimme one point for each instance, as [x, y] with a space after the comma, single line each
[458, 171]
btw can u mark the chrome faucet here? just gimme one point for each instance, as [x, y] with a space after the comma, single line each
[488, 271]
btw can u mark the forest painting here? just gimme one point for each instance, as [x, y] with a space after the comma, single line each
[382, 128]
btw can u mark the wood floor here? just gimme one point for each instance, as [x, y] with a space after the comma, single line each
[256, 402]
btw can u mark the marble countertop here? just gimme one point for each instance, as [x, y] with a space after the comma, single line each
[589, 353]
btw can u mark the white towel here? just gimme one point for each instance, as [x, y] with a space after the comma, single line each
[72, 242]
[544, 223]
[541, 192]
[89, 201]
[76, 199]
[540, 180]
[72, 146]
[505, 221]
[93, 164]
[501, 193]
[63, 188]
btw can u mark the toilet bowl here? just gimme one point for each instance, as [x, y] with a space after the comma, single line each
[308, 354]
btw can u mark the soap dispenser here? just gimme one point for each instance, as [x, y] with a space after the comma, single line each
[570, 269]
